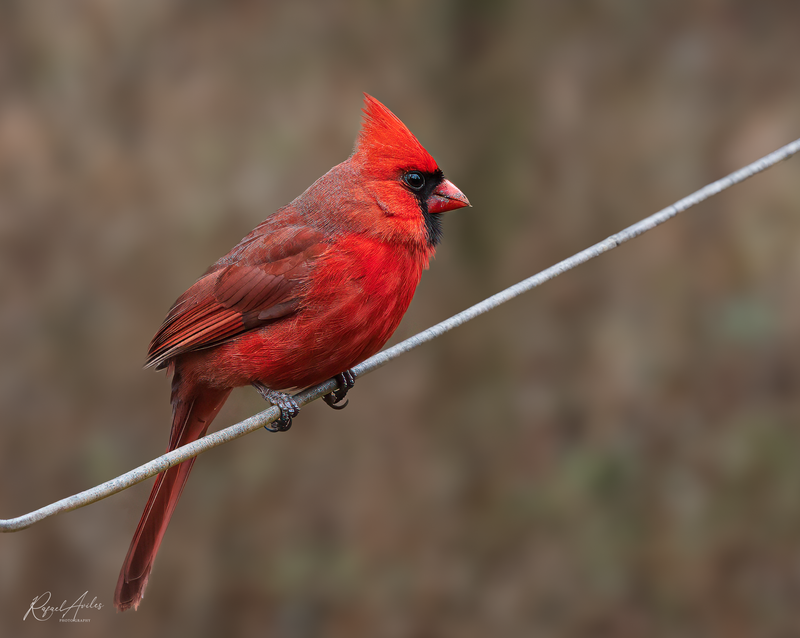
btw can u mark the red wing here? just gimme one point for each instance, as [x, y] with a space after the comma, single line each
[258, 282]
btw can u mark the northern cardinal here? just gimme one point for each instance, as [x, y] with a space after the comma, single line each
[315, 289]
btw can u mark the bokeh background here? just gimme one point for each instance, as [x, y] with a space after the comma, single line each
[615, 454]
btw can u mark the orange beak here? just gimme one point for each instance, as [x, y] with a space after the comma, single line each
[446, 197]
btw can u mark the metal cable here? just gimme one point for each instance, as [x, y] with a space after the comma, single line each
[266, 417]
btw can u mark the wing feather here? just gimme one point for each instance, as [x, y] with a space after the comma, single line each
[259, 282]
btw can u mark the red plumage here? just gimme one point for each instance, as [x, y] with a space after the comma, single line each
[315, 289]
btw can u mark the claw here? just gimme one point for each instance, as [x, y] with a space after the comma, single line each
[346, 380]
[284, 402]
[332, 400]
[281, 425]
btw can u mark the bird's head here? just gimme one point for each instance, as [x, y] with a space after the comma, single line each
[407, 184]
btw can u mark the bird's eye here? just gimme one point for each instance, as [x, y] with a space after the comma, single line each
[414, 180]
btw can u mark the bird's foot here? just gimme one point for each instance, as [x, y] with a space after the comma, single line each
[346, 380]
[284, 402]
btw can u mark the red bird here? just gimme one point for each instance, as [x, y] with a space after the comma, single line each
[315, 289]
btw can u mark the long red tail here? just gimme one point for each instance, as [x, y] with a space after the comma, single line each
[193, 410]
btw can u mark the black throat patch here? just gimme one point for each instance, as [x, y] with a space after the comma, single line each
[433, 222]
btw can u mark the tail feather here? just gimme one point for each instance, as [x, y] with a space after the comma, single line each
[191, 416]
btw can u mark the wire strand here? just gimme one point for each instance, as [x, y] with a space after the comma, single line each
[256, 422]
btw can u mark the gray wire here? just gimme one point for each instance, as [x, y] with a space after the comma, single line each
[266, 417]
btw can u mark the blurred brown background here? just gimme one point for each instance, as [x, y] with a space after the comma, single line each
[615, 454]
